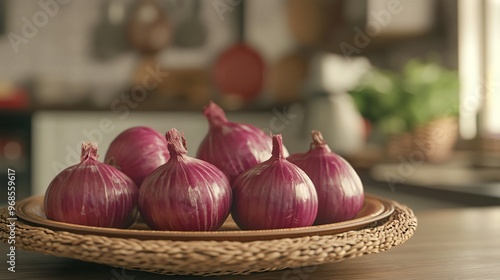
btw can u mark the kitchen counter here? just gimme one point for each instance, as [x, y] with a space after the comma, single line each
[459, 243]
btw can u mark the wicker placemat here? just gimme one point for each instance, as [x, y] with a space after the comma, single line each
[216, 257]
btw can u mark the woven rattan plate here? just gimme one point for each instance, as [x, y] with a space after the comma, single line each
[159, 254]
[374, 209]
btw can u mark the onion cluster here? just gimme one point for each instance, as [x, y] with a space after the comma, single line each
[238, 170]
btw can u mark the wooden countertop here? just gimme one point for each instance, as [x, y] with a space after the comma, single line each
[461, 243]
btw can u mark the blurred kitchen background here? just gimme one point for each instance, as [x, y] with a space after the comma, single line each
[407, 91]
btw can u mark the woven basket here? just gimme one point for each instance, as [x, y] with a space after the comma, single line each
[432, 142]
[216, 257]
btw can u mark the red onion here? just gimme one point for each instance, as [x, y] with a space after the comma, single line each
[274, 194]
[339, 187]
[185, 193]
[137, 151]
[92, 193]
[233, 147]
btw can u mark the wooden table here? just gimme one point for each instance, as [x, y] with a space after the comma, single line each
[461, 243]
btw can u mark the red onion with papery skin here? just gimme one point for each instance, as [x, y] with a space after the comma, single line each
[340, 190]
[137, 152]
[92, 193]
[295, 156]
[274, 194]
[233, 147]
[186, 193]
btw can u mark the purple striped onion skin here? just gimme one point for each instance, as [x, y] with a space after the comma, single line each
[274, 194]
[137, 152]
[233, 147]
[92, 193]
[339, 188]
[185, 194]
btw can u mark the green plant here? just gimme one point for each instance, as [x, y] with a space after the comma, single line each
[399, 102]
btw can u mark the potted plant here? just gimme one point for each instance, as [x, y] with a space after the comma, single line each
[415, 110]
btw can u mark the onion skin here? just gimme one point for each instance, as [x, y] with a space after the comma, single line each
[185, 194]
[340, 190]
[274, 194]
[92, 193]
[294, 157]
[233, 147]
[137, 152]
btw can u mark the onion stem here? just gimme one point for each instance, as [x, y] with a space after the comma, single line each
[317, 137]
[278, 146]
[89, 151]
[176, 143]
[214, 114]
[318, 141]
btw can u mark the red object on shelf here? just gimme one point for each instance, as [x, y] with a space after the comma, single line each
[14, 99]
[12, 148]
[239, 71]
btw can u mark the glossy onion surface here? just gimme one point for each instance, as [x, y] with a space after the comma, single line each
[233, 147]
[274, 194]
[185, 194]
[339, 188]
[137, 151]
[92, 193]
